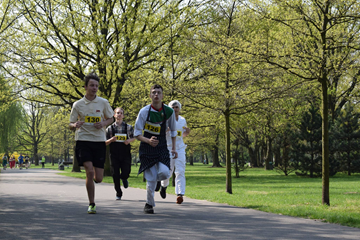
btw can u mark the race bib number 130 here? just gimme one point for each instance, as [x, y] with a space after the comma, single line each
[90, 120]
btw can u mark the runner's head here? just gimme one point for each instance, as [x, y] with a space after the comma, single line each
[91, 84]
[176, 105]
[119, 113]
[156, 94]
[91, 76]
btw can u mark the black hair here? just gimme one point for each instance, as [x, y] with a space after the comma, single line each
[91, 76]
[156, 86]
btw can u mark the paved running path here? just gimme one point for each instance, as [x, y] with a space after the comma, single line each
[40, 204]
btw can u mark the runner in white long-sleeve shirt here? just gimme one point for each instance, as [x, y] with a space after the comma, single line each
[180, 162]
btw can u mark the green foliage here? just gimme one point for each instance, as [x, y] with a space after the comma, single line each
[11, 119]
[346, 135]
[306, 143]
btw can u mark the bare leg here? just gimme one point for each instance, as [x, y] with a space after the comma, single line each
[99, 174]
[90, 187]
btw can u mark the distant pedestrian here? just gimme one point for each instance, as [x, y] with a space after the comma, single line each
[4, 161]
[20, 161]
[12, 162]
[153, 152]
[43, 162]
[27, 161]
[89, 117]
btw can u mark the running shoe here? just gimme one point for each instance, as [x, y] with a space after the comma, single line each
[163, 192]
[125, 183]
[179, 199]
[92, 209]
[148, 209]
[118, 197]
[158, 185]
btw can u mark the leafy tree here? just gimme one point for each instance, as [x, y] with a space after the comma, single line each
[10, 121]
[318, 42]
[33, 132]
[225, 81]
[306, 143]
[346, 134]
[61, 41]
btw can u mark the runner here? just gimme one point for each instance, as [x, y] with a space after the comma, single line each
[119, 135]
[27, 161]
[43, 162]
[180, 162]
[20, 161]
[4, 161]
[89, 116]
[153, 152]
[12, 162]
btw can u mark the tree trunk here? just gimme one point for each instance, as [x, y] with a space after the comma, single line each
[277, 156]
[35, 154]
[268, 154]
[325, 144]
[215, 155]
[252, 157]
[76, 167]
[191, 160]
[228, 153]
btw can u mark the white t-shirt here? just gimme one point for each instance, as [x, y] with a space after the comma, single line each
[90, 112]
[180, 124]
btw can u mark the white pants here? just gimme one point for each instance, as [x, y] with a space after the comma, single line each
[152, 175]
[179, 164]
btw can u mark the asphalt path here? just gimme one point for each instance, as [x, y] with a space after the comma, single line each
[40, 204]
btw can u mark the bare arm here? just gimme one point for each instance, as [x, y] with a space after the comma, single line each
[173, 149]
[74, 125]
[187, 131]
[113, 139]
[130, 140]
[104, 123]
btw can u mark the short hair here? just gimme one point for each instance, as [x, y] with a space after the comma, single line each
[120, 109]
[175, 103]
[91, 76]
[156, 86]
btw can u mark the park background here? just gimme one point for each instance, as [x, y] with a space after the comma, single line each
[272, 85]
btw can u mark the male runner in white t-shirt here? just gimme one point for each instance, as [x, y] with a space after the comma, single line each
[89, 117]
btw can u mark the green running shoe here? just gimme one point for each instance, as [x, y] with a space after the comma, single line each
[92, 209]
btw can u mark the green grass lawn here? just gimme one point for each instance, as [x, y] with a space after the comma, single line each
[268, 191]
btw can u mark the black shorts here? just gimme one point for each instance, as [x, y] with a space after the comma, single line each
[94, 152]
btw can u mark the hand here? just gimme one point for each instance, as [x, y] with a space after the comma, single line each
[98, 125]
[113, 139]
[187, 130]
[174, 154]
[78, 124]
[153, 141]
[126, 142]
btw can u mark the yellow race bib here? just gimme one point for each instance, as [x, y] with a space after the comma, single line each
[120, 137]
[90, 120]
[152, 128]
[179, 133]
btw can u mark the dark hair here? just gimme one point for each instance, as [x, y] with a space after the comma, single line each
[91, 76]
[156, 86]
